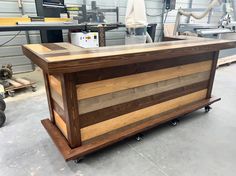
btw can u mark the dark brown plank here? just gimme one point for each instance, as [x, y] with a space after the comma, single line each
[213, 71]
[59, 110]
[108, 73]
[57, 98]
[118, 110]
[71, 109]
[49, 96]
[53, 46]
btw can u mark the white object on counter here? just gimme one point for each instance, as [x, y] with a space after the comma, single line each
[85, 40]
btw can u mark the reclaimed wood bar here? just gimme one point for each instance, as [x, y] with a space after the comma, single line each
[100, 96]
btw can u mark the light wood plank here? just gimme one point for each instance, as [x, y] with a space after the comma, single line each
[226, 60]
[39, 48]
[55, 84]
[111, 99]
[60, 124]
[127, 119]
[93, 89]
[12, 21]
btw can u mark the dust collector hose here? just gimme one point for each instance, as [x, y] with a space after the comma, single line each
[200, 16]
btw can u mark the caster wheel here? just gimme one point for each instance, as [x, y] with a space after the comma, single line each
[174, 122]
[139, 137]
[2, 118]
[2, 105]
[11, 93]
[34, 89]
[2, 96]
[207, 109]
[78, 160]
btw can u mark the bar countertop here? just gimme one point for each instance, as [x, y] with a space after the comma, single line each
[67, 58]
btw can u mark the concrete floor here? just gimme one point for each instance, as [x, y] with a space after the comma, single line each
[201, 145]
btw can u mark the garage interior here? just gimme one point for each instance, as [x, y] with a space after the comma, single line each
[199, 141]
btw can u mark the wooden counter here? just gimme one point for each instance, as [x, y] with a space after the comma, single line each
[100, 96]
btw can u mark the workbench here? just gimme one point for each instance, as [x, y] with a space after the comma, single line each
[100, 96]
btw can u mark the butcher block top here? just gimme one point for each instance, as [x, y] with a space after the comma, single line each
[66, 58]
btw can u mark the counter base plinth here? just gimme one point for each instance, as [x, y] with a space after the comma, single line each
[108, 139]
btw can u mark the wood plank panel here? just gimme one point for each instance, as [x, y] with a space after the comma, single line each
[127, 119]
[60, 124]
[59, 110]
[39, 48]
[57, 98]
[89, 90]
[55, 84]
[108, 100]
[121, 109]
[125, 70]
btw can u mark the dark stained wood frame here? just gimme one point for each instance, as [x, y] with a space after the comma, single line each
[71, 113]
[112, 61]
[79, 71]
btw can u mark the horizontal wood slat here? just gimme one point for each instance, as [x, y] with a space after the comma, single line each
[59, 110]
[108, 100]
[55, 84]
[121, 109]
[108, 73]
[57, 98]
[93, 89]
[60, 124]
[127, 119]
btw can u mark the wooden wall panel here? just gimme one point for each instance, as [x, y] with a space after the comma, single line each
[93, 89]
[55, 84]
[130, 118]
[111, 99]
[56, 90]
[60, 124]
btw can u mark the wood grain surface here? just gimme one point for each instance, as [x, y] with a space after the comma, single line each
[125, 70]
[60, 124]
[127, 119]
[111, 99]
[98, 88]
[124, 108]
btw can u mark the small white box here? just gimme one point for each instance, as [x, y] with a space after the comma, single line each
[85, 40]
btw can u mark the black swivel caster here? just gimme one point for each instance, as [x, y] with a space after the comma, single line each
[139, 137]
[34, 88]
[174, 122]
[207, 109]
[2, 118]
[2, 105]
[11, 93]
[78, 160]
